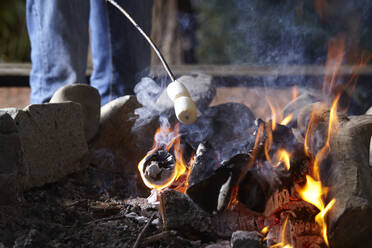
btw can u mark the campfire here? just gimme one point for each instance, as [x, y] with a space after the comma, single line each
[297, 181]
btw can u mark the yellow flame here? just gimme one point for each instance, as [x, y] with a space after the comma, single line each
[285, 158]
[313, 193]
[286, 119]
[265, 230]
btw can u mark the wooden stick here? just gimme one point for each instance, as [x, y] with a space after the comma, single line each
[140, 235]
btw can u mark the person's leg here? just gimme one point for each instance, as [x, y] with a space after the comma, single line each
[118, 48]
[101, 77]
[58, 32]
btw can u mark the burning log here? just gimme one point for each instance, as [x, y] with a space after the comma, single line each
[181, 213]
[211, 182]
[260, 185]
[205, 180]
[350, 180]
[345, 171]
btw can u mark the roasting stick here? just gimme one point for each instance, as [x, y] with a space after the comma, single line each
[183, 104]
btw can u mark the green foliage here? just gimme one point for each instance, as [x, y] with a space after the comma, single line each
[14, 42]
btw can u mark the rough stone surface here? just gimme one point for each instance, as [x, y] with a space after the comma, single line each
[201, 88]
[10, 158]
[369, 111]
[220, 244]
[90, 101]
[118, 145]
[53, 141]
[243, 239]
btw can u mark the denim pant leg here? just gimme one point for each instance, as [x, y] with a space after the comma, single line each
[58, 31]
[101, 77]
[121, 56]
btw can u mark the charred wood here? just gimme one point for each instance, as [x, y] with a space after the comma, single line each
[346, 172]
[182, 214]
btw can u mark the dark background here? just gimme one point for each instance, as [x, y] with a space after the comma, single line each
[254, 32]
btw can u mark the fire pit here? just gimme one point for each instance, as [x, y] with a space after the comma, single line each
[299, 179]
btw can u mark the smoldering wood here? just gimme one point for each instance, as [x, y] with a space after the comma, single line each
[299, 232]
[182, 214]
[347, 173]
[260, 183]
[238, 166]
[158, 166]
[208, 176]
[282, 137]
[204, 181]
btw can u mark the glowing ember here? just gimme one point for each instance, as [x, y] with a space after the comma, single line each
[265, 230]
[168, 138]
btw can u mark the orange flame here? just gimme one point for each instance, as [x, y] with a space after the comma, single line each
[335, 57]
[274, 114]
[285, 158]
[169, 138]
[313, 193]
[294, 92]
[265, 230]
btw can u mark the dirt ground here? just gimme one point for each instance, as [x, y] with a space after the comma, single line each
[79, 212]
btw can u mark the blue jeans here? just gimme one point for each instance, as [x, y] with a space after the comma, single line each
[59, 36]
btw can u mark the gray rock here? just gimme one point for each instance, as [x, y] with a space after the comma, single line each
[90, 101]
[118, 145]
[53, 141]
[201, 88]
[11, 157]
[243, 239]
[219, 244]
[369, 111]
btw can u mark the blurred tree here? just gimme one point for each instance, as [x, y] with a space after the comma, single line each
[14, 43]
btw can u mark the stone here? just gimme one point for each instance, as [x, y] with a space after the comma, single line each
[201, 89]
[90, 101]
[11, 157]
[219, 244]
[53, 142]
[243, 239]
[369, 111]
[119, 145]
